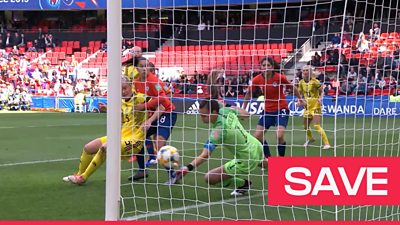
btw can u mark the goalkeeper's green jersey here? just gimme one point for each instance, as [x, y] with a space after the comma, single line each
[229, 132]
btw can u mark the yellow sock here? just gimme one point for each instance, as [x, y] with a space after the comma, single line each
[309, 134]
[84, 161]
[96, 162]
[321, 131]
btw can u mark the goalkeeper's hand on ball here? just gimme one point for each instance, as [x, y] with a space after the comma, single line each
[180, 173]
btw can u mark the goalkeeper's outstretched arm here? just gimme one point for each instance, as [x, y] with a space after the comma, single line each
[195, 163]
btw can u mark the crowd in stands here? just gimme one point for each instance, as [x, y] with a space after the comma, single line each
[368, 64]
[365, 62]
[22, 77]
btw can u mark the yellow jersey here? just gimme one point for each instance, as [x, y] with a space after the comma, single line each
[132, 120]
[310, 91]
[131, 72]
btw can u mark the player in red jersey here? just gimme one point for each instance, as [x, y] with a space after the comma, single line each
[276, 110]
[159, 126]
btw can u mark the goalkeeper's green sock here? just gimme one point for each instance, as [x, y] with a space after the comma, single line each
[96, 162]
[84, 161]
[233, 181]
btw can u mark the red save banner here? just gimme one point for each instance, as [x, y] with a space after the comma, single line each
[334, 181]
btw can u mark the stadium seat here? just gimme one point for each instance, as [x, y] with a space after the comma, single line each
[54, 61]
[289, 47]
[384, 35]
[331, 92]
[377, 92]
[62, 56]
[76, 45]
[64, 44]
[393, 35]
[21, 50]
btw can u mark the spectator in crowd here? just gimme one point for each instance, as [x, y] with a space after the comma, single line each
[352, 74]
[371, 83]
[201, 26]
[333, 57]
[26, 100]
[381, 83]
[230, 93]
[315, 62]
[374, 32]
[345, 88]
[362, 87]
[362, 43]
[41, 43]
[8, 40]
[336, 40]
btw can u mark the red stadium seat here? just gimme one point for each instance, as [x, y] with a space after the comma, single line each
[54, 61]
[61, 56]
[276, 51]
[77, 45]
[64, 43]
[377, 92]
[283, 52]
[289, 47]
[21, 50]
[384, 35]
[393, 35]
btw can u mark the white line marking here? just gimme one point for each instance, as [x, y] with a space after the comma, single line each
[50, 125]
[184, 208]
[37, 162]
[50, 161]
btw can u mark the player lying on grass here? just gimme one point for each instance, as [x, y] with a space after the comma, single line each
[132, 136]
[312, 90]
[228, 132]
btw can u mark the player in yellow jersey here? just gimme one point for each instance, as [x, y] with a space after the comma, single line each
[312, 90]
[132, 136]
[129, 65]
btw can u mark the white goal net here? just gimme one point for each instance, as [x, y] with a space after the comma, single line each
[353, 49]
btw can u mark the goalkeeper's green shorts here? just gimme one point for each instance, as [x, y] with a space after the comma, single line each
[244, 167]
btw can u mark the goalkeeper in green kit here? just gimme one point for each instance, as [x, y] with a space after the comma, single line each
[228, 132]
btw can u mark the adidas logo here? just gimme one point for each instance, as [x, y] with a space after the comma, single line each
[194, 108]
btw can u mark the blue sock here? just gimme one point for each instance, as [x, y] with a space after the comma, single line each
[171, 172]
[140, 159]
[150, 148]
[282, 149]
[267, 153]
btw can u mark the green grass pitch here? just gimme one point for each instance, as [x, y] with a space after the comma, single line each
[38, 149]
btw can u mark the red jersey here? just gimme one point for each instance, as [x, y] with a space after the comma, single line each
[154, 88]
[272, 88]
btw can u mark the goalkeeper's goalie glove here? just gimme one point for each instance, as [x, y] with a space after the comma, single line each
[182, 172]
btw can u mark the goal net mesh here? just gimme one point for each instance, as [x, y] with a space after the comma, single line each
[352, 47]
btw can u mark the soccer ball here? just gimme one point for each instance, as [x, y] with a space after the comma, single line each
[168, 156]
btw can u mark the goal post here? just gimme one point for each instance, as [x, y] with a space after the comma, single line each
[189, 40]
[113, 170]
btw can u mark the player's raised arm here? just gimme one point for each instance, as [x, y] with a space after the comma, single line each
[246, 99]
